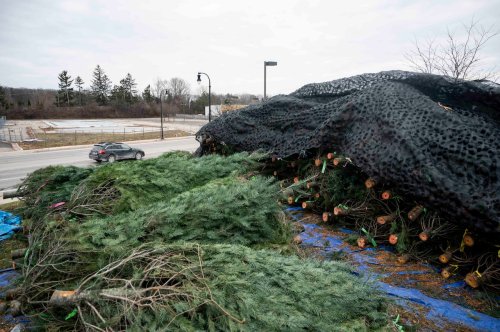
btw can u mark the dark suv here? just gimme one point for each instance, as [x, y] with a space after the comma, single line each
[110, 151]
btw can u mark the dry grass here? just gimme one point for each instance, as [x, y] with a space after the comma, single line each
[65, 139]
[11, 206]
[6, 247]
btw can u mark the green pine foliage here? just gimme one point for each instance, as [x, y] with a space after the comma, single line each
[227, 288]
[49, 185]
[336, 185]
[100, 86]
[229, 210]
[161, 179]
[171, 244]
[65, 92]
[342, 184]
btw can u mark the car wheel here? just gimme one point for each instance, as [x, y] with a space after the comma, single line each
[111, 158]
[138, 156]
[98, 161]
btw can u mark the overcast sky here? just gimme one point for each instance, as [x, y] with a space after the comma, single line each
[312, 41]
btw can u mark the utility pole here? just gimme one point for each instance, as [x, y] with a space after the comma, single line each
[209, 94]
[267, 63]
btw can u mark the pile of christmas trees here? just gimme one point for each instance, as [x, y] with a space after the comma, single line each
[177, 243]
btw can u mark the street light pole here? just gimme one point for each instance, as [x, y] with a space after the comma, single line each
[161, 112]
[209, 94]
[267, 63]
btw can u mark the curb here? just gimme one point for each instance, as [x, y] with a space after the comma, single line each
[7, 200]
[16, 147]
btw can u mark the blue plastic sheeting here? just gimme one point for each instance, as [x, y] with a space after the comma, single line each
[458, 284]
[9, 224]
[7, 278]
[414, 272]
[441, 309]
[347, 231]
[294, 208]
[439, 312]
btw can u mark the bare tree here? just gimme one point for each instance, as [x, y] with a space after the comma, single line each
[458, 56]
[178, 88]
[158, 86]
[179, 91]
[423, 58]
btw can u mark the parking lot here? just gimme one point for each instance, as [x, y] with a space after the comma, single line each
[26, 130]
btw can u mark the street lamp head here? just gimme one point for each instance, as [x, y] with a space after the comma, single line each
[199, 78]
[270, 63]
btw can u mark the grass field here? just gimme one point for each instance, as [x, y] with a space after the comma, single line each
[64, 139]
[11, 206]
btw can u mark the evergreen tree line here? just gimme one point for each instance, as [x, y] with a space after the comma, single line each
[174, 94]
[72, 92]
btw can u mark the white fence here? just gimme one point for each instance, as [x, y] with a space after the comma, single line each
[12, 135]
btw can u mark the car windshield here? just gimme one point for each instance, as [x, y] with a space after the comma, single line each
[125, 146]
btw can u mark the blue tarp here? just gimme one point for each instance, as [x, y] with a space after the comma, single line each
[9, 223]
[439, 310]
[7, 279]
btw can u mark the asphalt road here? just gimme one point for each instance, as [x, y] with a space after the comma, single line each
[16, 165]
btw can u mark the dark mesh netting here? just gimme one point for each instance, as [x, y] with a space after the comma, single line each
[430, 138]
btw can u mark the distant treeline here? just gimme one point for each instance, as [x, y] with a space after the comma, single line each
[104, 100]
